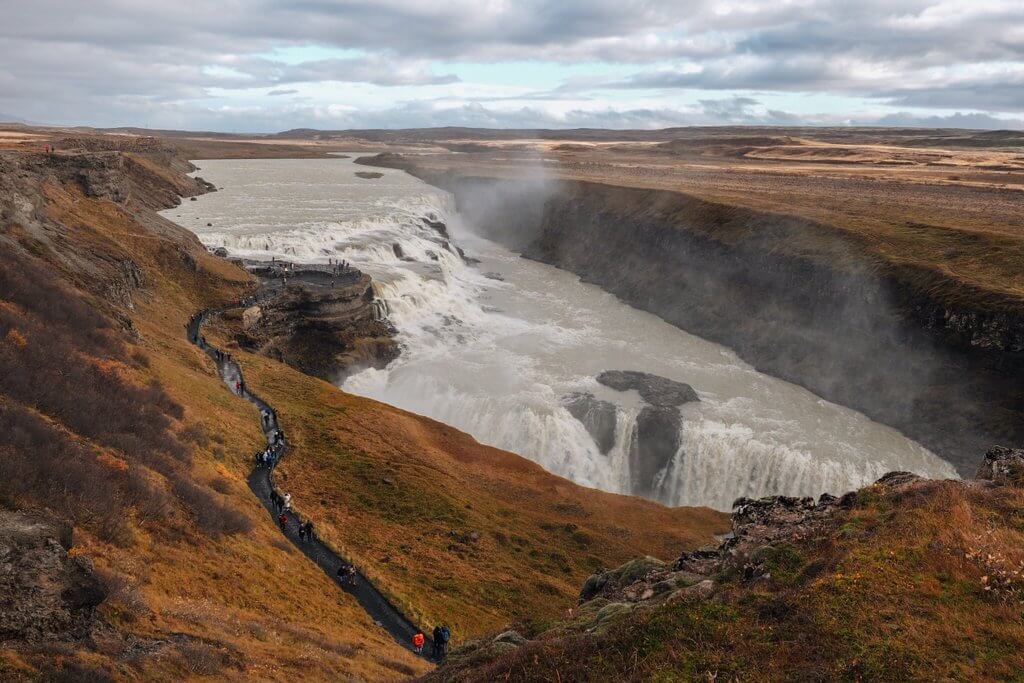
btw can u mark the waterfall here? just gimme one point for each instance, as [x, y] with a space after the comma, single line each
[493, 348]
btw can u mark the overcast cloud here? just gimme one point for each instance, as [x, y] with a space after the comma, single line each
[263, 65]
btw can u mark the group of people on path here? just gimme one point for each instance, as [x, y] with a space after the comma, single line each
[283, 505]
[442, 634]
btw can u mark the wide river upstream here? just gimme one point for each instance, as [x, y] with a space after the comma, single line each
[494, 347]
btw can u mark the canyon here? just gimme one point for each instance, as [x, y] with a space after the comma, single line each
[798, 299]
[149, 558]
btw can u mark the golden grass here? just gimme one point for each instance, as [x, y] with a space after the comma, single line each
[239, 607]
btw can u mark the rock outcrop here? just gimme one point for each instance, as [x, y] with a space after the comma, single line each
[1003, 466]
[656, 441]
[657, 391]
[596, 415]
[45, 594]
[322, 324]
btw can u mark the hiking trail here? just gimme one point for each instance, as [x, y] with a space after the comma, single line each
[373, 602]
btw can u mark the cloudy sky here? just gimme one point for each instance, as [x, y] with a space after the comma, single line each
[267, 65]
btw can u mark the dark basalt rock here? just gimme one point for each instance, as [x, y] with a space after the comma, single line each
[369, 175]
[323, 325]
[656, 443]
[436, 225]
[596, 415]
[657, 427]
[658, 391]
[895, 480]
[1003, 466]
[45, 594]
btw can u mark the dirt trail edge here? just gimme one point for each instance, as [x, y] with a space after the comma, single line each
[261, 483]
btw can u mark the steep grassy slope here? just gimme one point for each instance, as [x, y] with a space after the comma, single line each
[905, 580]
[112, 421]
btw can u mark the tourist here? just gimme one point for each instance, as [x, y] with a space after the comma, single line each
[441, 637]
[287, 501]
[346, 574]
[282, 520]
[417, 643]
[309, 529]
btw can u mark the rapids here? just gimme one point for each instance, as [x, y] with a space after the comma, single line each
[493, 348]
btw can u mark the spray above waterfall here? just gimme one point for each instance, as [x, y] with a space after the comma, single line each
[502, 357]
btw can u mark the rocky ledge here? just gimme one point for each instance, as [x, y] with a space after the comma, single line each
[322, 323]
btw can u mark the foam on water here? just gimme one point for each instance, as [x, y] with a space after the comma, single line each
[495, 358]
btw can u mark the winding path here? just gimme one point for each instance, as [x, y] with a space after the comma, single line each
[261, 483]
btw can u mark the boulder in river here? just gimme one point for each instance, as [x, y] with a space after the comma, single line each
[656, 441]
[436, 225]
[596, 415]
[655, 390]
[655, 445]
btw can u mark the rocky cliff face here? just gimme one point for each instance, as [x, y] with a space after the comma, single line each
[795, 299]
[35, 204]
[321, 325]
[655, 440]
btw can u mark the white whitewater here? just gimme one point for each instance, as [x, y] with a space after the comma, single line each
[495, 357]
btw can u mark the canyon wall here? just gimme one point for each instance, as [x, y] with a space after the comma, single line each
[797, 300]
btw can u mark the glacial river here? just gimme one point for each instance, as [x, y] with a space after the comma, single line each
[493, 348]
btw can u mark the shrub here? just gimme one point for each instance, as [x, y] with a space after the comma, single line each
[62, 384]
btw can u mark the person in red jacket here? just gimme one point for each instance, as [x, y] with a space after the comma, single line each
[417, 642]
